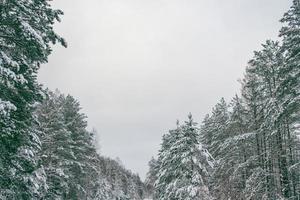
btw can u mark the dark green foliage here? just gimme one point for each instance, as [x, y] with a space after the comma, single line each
[26, 33]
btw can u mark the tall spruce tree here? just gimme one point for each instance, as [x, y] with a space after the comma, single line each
[289, 91]
[68, 154]
[184, 165]
[26, 35]
[55, 142]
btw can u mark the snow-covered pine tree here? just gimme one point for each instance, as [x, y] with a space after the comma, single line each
[96, 184]
[255, 187]
[266, 66]
[273, 123]
[56, 140]
[289, 91]
[164, 174]
[257, 146]
[72, 165]
[185, 165]
[26, 35]
[216, 133]
[230, 170]
[239, 147]
[291, 44]
[213, 133]
[76, 124]
[262, 155]
[151, 177]
[123, 184]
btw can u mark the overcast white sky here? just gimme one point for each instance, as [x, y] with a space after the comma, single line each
[138, 65]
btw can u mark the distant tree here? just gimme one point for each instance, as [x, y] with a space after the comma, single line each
[123, 184]
[151, 177]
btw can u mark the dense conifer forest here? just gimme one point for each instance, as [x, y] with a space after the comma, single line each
[246, 149]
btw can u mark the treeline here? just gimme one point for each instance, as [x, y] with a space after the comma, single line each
[46, 150]
[73, 168]
[254, 138]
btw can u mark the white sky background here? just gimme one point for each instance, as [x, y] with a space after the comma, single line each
[138, 65]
